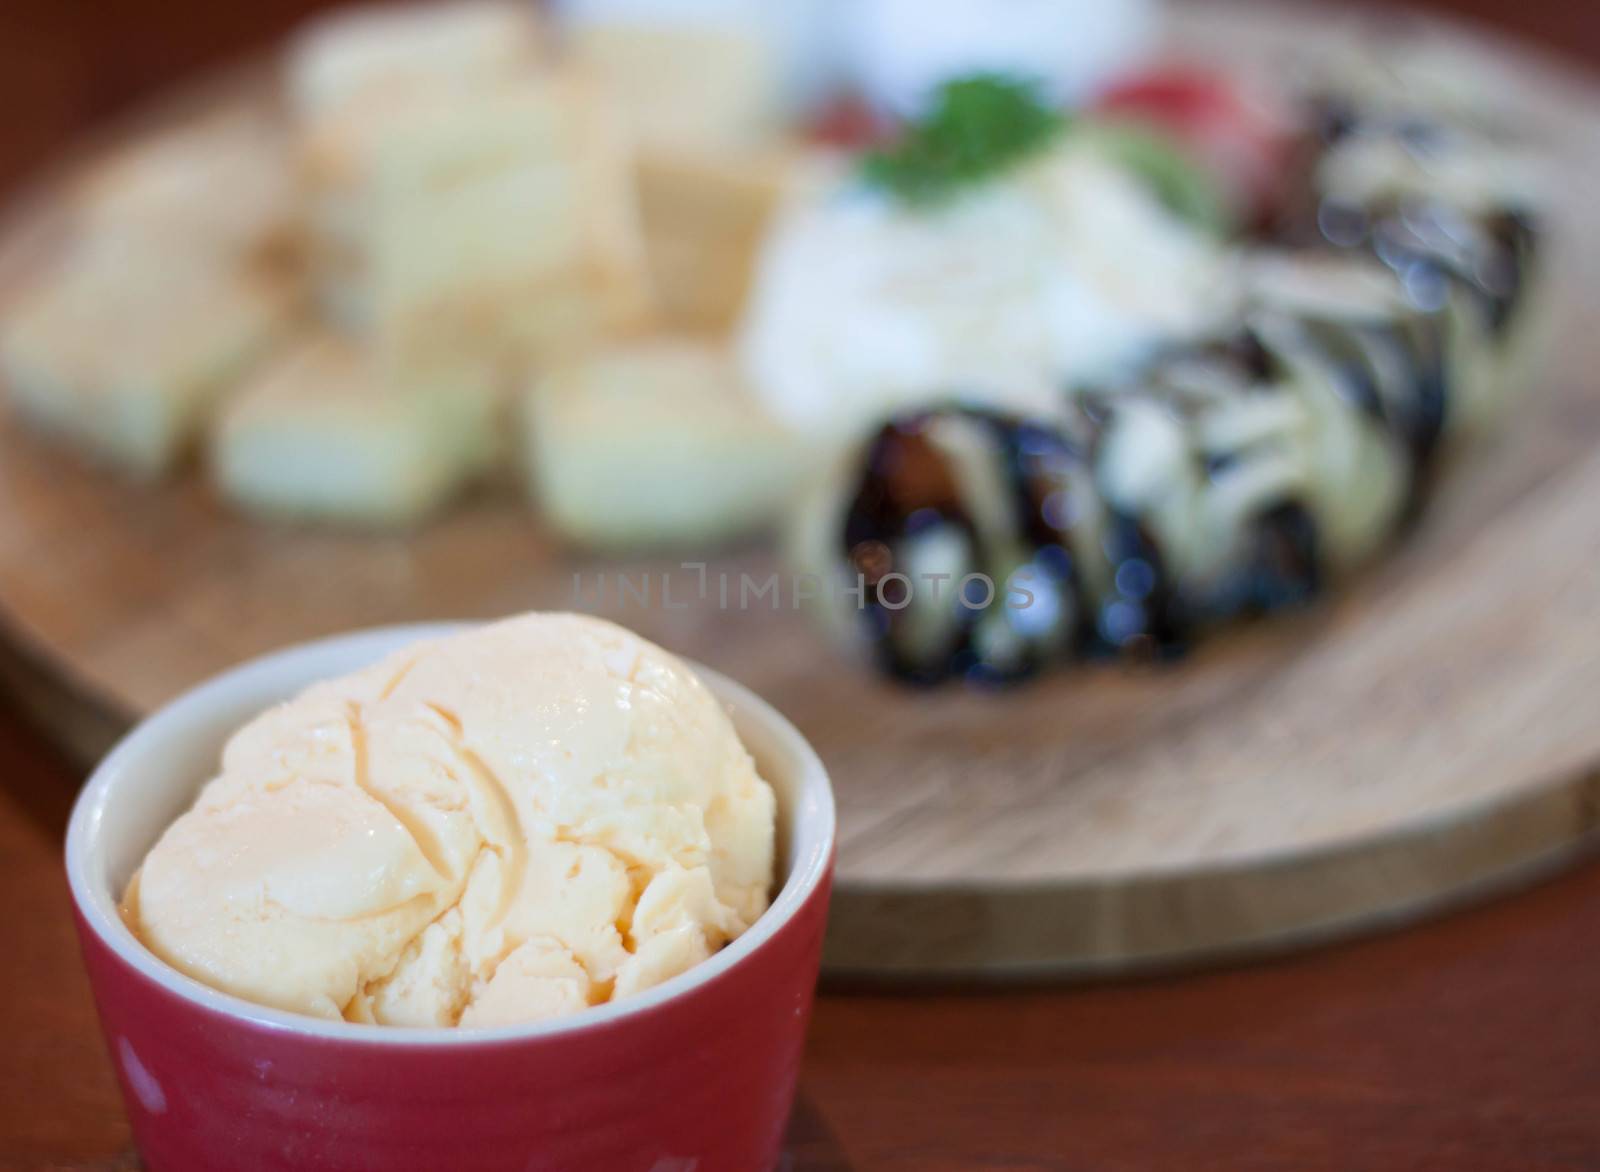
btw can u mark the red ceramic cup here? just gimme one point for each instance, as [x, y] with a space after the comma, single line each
[695, 1075]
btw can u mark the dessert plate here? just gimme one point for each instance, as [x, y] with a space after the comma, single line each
[1427, 736]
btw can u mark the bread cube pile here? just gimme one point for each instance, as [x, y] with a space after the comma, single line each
[466, 243]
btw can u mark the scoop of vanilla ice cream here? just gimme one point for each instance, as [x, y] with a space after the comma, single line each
[1066, 269]
[508, 824]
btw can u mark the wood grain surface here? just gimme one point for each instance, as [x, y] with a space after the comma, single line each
[1471, 1044]
[1368, 762]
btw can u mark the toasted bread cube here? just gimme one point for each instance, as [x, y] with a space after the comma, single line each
[360, 76]
[704, 220]
[506, 223]
[389, 48]
[320, 435]
[705, 86]
[336, 164]
[221, 184]
[655, 443]
[124, 349]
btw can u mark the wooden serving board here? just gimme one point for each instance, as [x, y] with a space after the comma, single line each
[1433, 733]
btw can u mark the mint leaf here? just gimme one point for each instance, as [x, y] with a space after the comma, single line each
[977, 127]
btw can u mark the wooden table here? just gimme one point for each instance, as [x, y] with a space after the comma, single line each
[1468, 1044]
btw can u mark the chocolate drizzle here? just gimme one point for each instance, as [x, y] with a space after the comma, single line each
[909, 487]
[1139, 616]
[1283, 569]
[906, 490]
[1093, 579]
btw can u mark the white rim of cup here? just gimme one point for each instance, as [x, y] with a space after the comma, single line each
[98, 906]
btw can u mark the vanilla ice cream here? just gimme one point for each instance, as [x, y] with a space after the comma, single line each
[509, 824]
[1064, 270]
